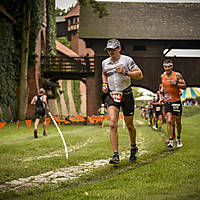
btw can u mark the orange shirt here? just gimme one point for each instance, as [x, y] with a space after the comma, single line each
[171, 92]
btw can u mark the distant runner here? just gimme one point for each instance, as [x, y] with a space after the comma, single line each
[172, 82]
[158, 111]
[102, 112]
[117, 71]
[41, 103]
[150, 110]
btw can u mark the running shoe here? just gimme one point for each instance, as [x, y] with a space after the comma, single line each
[133, 157]
[154, 127]
[35, 134]
[179, 143]
[171, 144]
[114, 159]
[44, 133]
[160, 129]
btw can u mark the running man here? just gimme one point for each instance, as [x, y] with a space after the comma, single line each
[150, 110]
[158, 111]
[117, 71]
[41, 102]
[102, 112]
[154, 119]
[172, 82]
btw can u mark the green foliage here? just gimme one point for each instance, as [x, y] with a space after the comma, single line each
[76, 93]
[98, 7]
[9, 67]
[51, 28]
[10, 35]
[37, 13]
[64, 41]
[58, 102]
[135, 92]
[190, 110]
[64, 85]
[55, 93]
[15, 9]
[60, 12]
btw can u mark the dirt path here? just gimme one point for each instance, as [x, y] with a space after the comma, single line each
[61, 174]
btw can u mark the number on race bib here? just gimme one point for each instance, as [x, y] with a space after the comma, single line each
[158, 108]
[176, 107]
[116, 96]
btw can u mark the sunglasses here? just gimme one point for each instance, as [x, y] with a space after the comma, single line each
[108, 49]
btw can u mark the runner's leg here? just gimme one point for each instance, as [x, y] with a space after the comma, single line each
[37, 120]
[160, 120]
[36, 123]
[131, 128]
[44, 126]
[179, 125]
[169, 124]
[113, 115]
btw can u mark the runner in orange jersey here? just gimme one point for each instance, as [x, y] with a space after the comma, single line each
[172, 82]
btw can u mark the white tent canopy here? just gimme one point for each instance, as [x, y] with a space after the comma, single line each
[144, 98]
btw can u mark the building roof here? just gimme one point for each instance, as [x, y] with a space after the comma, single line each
[74, 11]
[60, 19]
[65, 50]
[142, 20]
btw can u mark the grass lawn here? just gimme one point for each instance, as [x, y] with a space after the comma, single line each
[157, 174]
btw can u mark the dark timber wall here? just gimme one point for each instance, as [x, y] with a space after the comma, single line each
[144, 30]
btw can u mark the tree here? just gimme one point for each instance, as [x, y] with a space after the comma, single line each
[136, 93]
[64, 41]
[98, 7]
[23, 84]
[60, 12]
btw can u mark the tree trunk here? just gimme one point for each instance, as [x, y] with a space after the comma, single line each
[23, 84]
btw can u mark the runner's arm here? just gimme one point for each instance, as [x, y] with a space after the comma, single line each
[180, 81]
[105, 81]
[161, 89]
[33, 100]
[45, 101]
[156, 103]
[135, 73]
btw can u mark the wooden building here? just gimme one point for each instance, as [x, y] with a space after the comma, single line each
[145, 30]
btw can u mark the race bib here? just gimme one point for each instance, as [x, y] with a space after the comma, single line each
[167, 96]
[158, 108]
[176, 107]
[116, 96]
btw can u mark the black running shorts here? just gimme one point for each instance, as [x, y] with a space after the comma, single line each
[127, 103]
[39, 112]
[174, 107]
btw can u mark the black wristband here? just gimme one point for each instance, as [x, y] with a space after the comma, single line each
[126, 73]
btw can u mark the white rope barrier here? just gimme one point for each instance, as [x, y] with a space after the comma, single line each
[61, 135]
